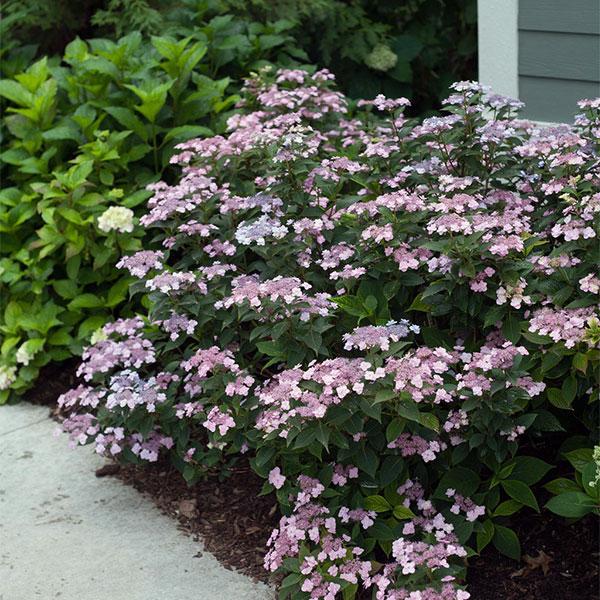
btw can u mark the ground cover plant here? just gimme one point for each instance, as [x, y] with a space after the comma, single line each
[82, 136]
[396, 321]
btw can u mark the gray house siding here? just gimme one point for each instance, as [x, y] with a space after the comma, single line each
[559, 56]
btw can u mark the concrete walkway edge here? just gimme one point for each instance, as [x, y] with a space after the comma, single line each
[66, 534]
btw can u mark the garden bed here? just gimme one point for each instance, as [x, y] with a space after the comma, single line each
[392, 324]
[235, 523]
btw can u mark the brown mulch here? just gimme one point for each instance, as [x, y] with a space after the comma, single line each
[567, 552]
[54, 379]
[235, 523]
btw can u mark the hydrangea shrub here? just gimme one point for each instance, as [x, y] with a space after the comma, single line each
[387, 317]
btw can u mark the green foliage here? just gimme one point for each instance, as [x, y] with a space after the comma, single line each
[580, 496]
[84, 134]
[414, 48]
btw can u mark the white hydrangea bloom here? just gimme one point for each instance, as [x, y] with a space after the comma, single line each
[24, 356]
[7, 376]
[116, 218]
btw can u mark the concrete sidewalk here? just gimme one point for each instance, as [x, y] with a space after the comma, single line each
[66, 534]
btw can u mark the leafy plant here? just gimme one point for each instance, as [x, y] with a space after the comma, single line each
[389, 317]
[81, 136]
[414, 48]
[581, 496]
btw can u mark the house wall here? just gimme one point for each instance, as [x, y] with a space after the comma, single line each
[558, 57]
[545, 52]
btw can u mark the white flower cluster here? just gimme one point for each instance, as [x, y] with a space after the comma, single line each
[24, 355]
[7, 376]
[118, 218]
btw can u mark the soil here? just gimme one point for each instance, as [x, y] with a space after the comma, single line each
[569, 552]
[54, 379]
[235, 523]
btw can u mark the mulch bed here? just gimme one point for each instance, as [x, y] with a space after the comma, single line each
[568, 553]
[54, 379]
[234, 523]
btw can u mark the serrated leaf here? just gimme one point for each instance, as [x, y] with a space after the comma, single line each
[484, 537]
[402, 512]
[561, 485]
[507, 508]
[556, 398]
[579, 458]
[529, 469]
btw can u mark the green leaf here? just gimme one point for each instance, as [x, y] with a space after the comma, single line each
[62, 132]
[15, 92]
[42, 320]
[419, 306]
[384, 395]
[579, 458]
[507, 508]
[12, 315]
[128, 119]
[580, 362]
[571, 504]
[430, 421]
[390, 470]
[484, 537]
[494, 315]
[394, 429]
[569, 389]
[367, 460]
[529, 469]
[86, 301]
[556, 398]
[60, 338]
[187, 132]
[312, 339]
[520, 492]
[376, 503]
[402, 512]
[461, 479]
[588, 480]
[66, 288]
[506, 541]
[118, 292]
[511, 328]
[270, 348]
[406, 46]
[561, 485]
[153, 100]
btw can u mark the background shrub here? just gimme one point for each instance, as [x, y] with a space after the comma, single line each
[89, 132]
[396, 321]
[415, 48]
